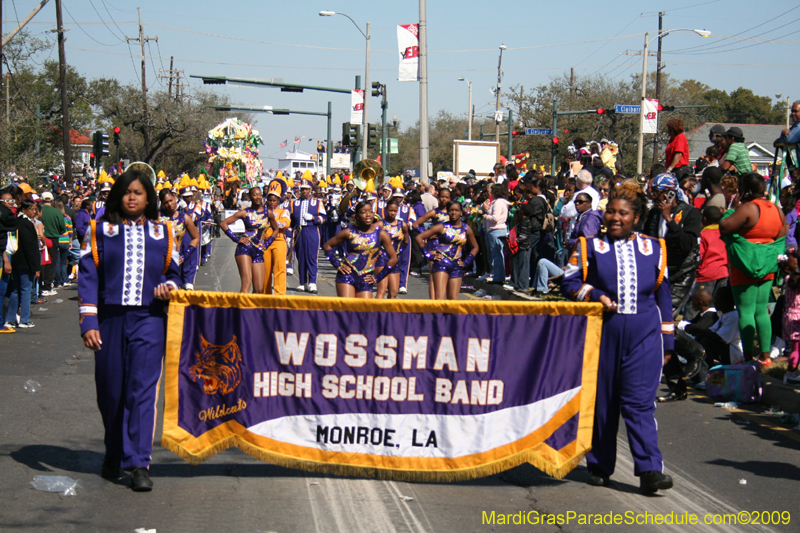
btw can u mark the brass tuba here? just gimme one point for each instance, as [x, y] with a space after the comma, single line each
[364, 171]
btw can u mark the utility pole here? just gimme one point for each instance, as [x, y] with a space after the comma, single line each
[146, 118]
[173, 78]
[497, 118]
[62, 71]
[384, 148]
[424, 147]
[658, 84]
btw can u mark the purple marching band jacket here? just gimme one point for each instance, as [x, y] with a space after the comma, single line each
[136, 257]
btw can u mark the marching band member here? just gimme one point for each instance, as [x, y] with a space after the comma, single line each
[405, 213]
[185, 233]
[638, 335]
[128, 267]
[363, 242]
[447, 258]
[383, 201]
[398, 232]
[307, 215]
[436, 216]
[98, 208]
[288, 233]
[247, 253]
[273, 239]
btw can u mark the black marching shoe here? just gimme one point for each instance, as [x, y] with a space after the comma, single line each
[653, 481]
[141, 482]
[110, 468]
[672, 397]
[599, 481]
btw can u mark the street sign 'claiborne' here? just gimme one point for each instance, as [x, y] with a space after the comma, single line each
[410, 390]
[632, 109]
[538, 131]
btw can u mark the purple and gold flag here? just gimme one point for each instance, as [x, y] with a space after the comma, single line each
[398, 389]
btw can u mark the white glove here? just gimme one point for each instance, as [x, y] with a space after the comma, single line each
[308, 217]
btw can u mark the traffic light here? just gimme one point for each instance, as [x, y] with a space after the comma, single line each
[377, 88]
[372, 136]
[516, 133]
[355, 134]
[666, 107]
[100, 144]
[91, 160]
[554, 148]
[566, 131]
[116, 135]
[346, 133]
[600, 110]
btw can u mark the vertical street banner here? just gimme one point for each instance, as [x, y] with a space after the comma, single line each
[650, 115]
[408, 43]
[357, 106]
[396, 389]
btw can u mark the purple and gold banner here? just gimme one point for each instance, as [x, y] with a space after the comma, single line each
[400, 389]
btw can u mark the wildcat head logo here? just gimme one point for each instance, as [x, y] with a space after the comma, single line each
[218, 367]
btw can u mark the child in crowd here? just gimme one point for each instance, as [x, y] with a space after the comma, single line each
[791, 316]
[722, 341]
[713, 270]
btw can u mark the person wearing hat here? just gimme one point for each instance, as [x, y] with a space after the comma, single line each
[679, 224]
[737, 160]
[405, 213]
[308, 214]
[383, 200]
[26, 191]
[54, 227]
[272, 240]
[99, 204]
[716, 134]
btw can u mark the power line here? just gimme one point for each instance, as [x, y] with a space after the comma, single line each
[112, 18]
[132, 61]
[605, 43]
[104, 22]
[744, 31]
[158, 78]
[81, 27]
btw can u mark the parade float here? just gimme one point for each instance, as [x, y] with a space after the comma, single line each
[232, 153]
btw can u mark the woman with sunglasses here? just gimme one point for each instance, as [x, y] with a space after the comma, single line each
[588, 221]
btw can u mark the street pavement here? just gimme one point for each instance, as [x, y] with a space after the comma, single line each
[721, 462]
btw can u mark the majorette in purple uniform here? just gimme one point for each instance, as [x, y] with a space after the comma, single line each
[448, 257]
[626, 272]
[398, 231]
[407, 215]
[185, 234]
[308, 214]
[128, 267]
[247, 253]
[435, 216]
[363, 242]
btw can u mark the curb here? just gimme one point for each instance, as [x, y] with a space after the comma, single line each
[776, 394]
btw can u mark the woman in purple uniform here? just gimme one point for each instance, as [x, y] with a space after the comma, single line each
[448, 258]
[187, 236]
[364, 242]
[398, 232]
[128, 267]
[626, 272]
[247, 253]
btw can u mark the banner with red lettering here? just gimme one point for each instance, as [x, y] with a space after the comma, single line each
[399, 389]
[408, 43]
[357, 106]
[650, 115]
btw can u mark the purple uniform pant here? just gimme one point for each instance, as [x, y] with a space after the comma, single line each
[403, 263]
[629, 370]
[307, 250]
[127, 372]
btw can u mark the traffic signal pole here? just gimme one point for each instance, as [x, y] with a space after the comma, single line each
[556, 114]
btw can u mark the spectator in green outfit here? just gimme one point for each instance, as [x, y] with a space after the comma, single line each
[738, 159]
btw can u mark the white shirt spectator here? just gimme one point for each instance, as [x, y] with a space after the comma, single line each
[727, 327]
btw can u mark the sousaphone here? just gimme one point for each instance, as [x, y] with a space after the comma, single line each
[364, 171]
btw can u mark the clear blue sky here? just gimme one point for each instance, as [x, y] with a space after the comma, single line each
[289, 40]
